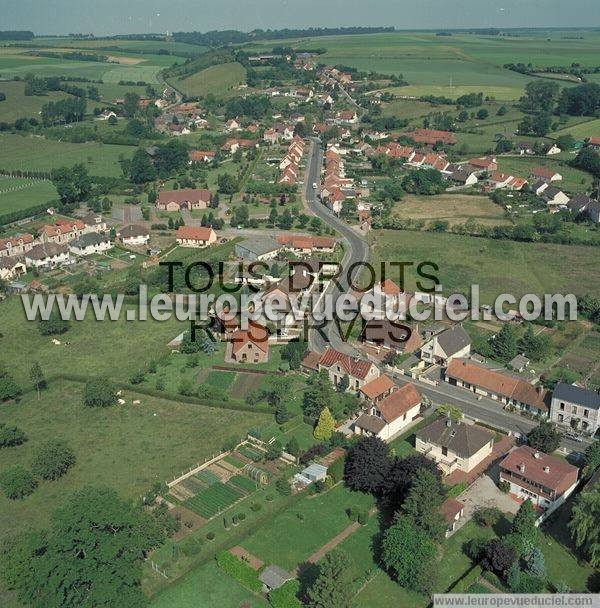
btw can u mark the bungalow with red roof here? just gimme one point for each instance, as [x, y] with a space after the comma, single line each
[339, 365]
[377, 389]
[593, 142]
[186, 198]
[484, 163]
[390, 414]
[196, 236]
[546, 174]
[545, 480]
[200, 156]
[248, 345]
[452, 512]
[508, 390]
[306, 244]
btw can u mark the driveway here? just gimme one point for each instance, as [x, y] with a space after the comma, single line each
[485, 493]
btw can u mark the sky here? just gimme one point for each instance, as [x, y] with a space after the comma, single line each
[106, 17]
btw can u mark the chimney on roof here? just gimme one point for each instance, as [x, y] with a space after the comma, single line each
[448, 421]
[546, 469]
[536, 455]
[521, 467]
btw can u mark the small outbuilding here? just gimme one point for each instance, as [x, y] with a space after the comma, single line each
[273, 577]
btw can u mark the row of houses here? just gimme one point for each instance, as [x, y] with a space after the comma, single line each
[290, 164]
[336, 187]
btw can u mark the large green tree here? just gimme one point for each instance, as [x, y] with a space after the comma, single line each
[367, 465]
[504, 344]
[318, 394]
[545, 437]
[332, 587]
[408, 552]
[585, 524]
[90, 558]
[423, 503]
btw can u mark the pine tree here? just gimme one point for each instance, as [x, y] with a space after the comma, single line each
[524, 527]
[504, 345]
[325, 426]
[333, 586]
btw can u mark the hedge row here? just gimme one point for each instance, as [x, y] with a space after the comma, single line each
[240, 571]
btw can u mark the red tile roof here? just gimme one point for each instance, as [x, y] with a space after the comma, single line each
[399, 402]
[450, 509]
[256, 334]
[548, 471]
[18, 239]
[194, 233]
[185, 195]
[358, 368]
[374, 389]
[63, 227]
[389, 288]
[543, 172]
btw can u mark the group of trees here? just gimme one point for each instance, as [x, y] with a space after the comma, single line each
[506, 344]
[73, 184]
[411, 488]
[63, 111]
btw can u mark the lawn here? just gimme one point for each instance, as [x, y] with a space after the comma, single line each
[216, 79]
[288, 540]
[126, 447]
[18, 105]
[497, 266]
[222, 380]
[21, 193]
[89, 348]
[207, 587]
[34, 153]
[581, 131]
[456, 208]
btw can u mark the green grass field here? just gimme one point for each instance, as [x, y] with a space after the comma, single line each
[497, 266]
[38, 154]
[126, 447]
[94, 348]
[18, 105]
[581, 131]
[21, 193]
[217, 79]
[288, 540]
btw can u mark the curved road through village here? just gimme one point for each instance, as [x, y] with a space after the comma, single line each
[357, 250]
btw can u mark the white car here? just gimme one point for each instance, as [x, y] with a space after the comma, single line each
[315, 186]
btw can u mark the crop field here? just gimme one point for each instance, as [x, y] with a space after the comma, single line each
[217, 79]
[244, 483]
[127, 447]
[22, 193]
[38, 154]
[213, 500]
[456, 208]
[496, 266]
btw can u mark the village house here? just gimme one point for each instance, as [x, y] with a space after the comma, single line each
[257, 249]
[464, 177]
[579, 203]
[192, 236]
[47, 255]
[391, 414]
[90, 243]
[376, 390]
[546, 174]
[593, 142]
[64, 231]
[201, 156]
[454, 445]
[347, 117]
[555, 198]
[387, 336]
[452, 511]
[11, 268]
[450, 344]
[271, 136]
[545, 480]
[233, 125]
[95, 222]
[340, 365]
[306, 244]
[186, 198]
[576, 407]
[134, 236]
[484, 163]
[16, 245]
[508, 390]
[248, 345]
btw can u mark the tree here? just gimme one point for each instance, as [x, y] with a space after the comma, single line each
[131, 102]
[274, 450]
[293, 352]
[544, 437]
[540, 95]
[592, 457]
[141, 169]
[227, 183]
[585, 524]
[423, 503]
[17, 483]
[36, 375]
[99, 392]
[498, 557]
[424, 181]
[9, 389]
[318, 394]
[524, 528]
[536, 565]
[91, 556]
[11, 436]
[486, 517]
[52, 460]
[325, 426]
[73, 184]
[408, 552]
[333, 585]
[535, 347]
[504, 344]
[54, 325]
[482, 114]
[293, 447]
[344, 383]
[367, 465]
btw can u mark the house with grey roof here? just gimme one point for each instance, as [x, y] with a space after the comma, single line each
[575, 407]
[454, 445]
[257, 249]
[447, 345]
[92, 242]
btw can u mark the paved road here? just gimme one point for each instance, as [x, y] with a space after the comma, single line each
[357, 250]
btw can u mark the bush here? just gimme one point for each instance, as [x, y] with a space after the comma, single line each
[487, 516]
[255, 506]
[286, 596]
[11, 436]
[283, 487]
[99, 392]
[210, 536]
[191, 546]
[9, 389]
[137, 377]
[52, 460]
[17, 483]
[54, 326]
[242, 516]
[504, 486]
[240, 571]
[336, 470]
[363, 518]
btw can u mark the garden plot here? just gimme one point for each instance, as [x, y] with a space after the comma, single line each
[213, 500]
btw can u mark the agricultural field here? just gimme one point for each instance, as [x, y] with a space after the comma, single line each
[455, 208]
[497, 266]
[126, 447]
[216, 79]
[213, 500]
[18, 105]
[21, 193]
[33, 153]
